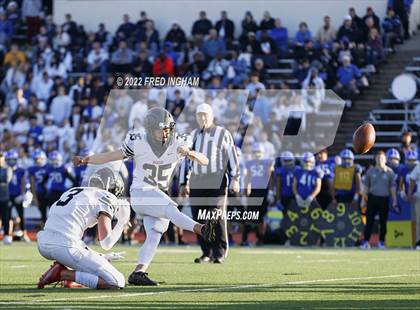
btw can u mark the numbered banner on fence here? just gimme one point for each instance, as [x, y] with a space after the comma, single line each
[299, 224]
[340, 225]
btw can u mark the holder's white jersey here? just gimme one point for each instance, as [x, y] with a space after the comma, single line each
[78, 209]
[151, 170]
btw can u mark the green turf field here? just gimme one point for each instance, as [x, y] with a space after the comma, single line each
[252, 278]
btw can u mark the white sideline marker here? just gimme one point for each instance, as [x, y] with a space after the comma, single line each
[209, 289]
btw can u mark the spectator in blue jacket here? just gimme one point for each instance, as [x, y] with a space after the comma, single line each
[301, 72]
[6, 30]
[236, 72]
[213, 45]
[402, 8]
[280, 36]
[392, 29]
[35, 130]
[303, 34]
[347, 75]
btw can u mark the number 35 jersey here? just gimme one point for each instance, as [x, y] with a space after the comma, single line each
[78, 209]
[153, 170]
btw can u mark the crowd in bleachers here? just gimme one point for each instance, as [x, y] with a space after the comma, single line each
[56, 81]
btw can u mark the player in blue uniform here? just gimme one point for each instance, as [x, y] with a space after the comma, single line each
[258, 174]
[307, 181]
[347, 179]
[323, 164]
[79, 171]
[58, 173]
[17, 188]
[37, 176]
[284, 179]
[393, 159]
[404, 173]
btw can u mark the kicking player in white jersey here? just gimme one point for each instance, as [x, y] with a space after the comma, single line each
[156, 153]
[61, 240]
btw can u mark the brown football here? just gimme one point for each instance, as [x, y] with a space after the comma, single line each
[364, 138]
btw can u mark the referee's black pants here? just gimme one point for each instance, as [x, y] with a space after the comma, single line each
[218, 198]
[19, 210]
[380, 205]
[5, 216]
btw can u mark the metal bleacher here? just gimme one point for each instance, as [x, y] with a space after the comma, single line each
[390, 120]
[283, 74]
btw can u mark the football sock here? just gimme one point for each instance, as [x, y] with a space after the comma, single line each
[87, 279]
[148, 250]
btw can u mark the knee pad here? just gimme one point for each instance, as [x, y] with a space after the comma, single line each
[112, 276]
[158, 225]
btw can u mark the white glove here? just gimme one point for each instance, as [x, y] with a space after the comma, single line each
[114, 256]
[19, 199]
[27, 199]
[299, 201]
[308, 201]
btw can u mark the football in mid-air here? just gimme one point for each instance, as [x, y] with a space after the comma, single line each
[364, 138]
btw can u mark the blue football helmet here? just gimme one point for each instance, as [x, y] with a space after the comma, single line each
[55, 159]
[411, 159]
[258, 150]
[347, 158]
[12, 157]
[287, 159]
[393, 157]
[85, 152]
[308, 161]
[39, 157]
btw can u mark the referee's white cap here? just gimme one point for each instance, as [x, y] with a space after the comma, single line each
[204, 108]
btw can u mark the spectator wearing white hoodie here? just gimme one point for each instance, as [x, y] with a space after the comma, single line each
[61, 106]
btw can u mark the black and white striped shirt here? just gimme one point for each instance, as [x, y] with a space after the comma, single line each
[217, 144]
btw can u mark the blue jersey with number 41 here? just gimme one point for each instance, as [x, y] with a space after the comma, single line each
[306, 181]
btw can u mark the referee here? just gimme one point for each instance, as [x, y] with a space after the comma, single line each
[6, 175]
[380, 185]
[209, 183]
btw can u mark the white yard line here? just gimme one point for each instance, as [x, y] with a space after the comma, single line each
[209, 289]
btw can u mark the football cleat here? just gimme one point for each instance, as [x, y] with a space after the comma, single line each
[202, 260]
[208, 231]
[365, 245]
[7, 240]
[52, 275]
[381, 245]
[140, 278]
[219, 260]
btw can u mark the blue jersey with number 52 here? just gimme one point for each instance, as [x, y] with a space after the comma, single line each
[259, 171]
